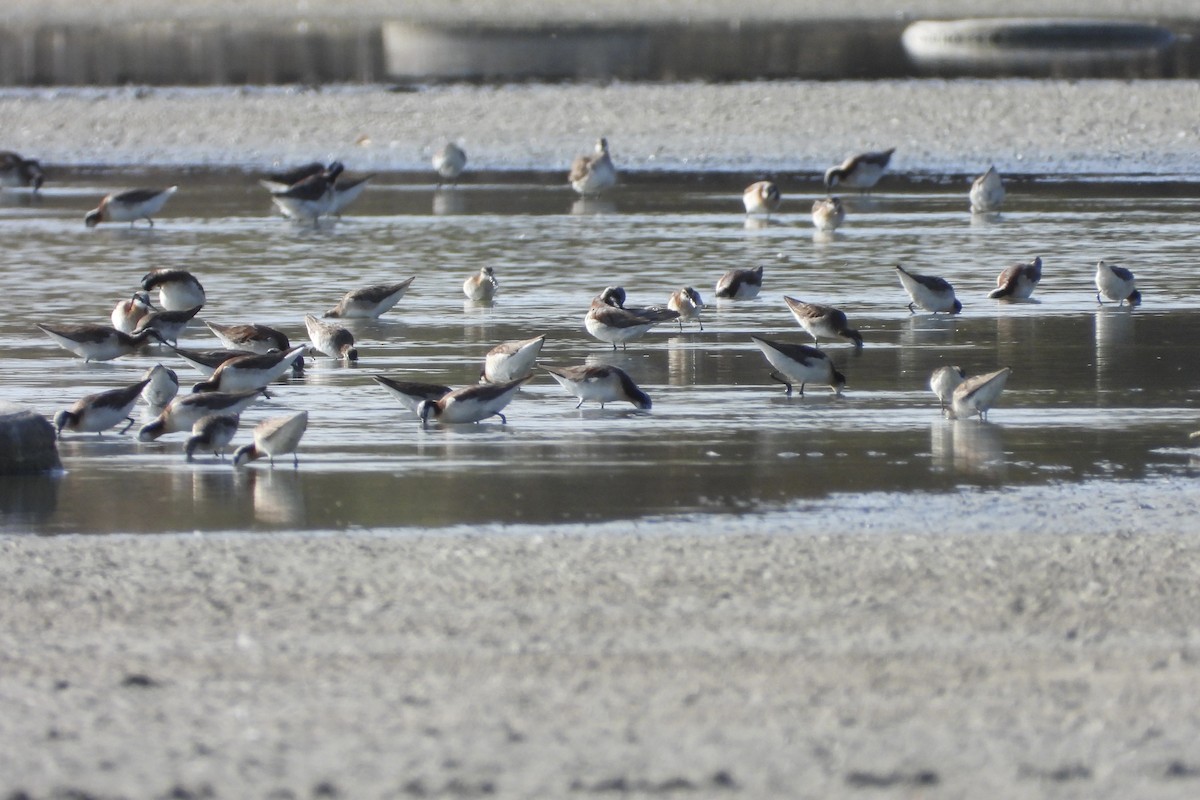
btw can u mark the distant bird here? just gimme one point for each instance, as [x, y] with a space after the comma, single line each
[987, 192]
[310, 198]
[449, 162]
[17, 172]
[332, 340]
[162, 386]
[249, 336]
[130, 206]
[944, 381]
[98, 342]
[688, 304]
[369, 302]
[254, 371]
[411, 394]
[280, 181]
[471, 403]
[978, 394]
[592, 174]
[127, 313]
[821, 320]
[601, 384]
[511, 361]
[182, 412]
[740, 284]
[277, 436]
[929, 292]
[1018, 281]
[799, 363]
[611, 323]
[169, 325]
[212, 434]
[860, 172]
[828, 213]
[481, 287]
[178, 289]
[96, 413]
[761, 197]
[1116, 283]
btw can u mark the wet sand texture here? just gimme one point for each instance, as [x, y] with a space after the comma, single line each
[516, 665]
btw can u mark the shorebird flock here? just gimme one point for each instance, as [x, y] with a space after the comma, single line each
[254, 356]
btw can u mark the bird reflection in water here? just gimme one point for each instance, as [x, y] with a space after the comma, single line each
[968, 447]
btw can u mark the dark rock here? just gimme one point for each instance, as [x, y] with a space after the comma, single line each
[27, 442]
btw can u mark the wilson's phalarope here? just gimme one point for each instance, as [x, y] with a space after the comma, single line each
[169, 325]
[127, 313]
[799, 363]
[98, 342]
[481, 287]
[820, 320]
[511, 361]
[449, 162]
[929, 292]
[369, 302]
[129, 206]
[280, 181]
[987, 192]
[182, 412]
[178, 289]
[1116, 283]
[601, 383]
[761, 197]
[311, 197]
[592, 174]
[243, 373]
[470, 403]
[1018, 281]
[20, 173]
[162, 386]
[944, 381]
[740, 284]
[688, 304]
[616, 325]
[207, 361]
[98, 412]
[277, 436]
[860, 172]
[828, 213]
[249, 336]
[212, 434]
[978, 394]
[412, 393]
[332, 340]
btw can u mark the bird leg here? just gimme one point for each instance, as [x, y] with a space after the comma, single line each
[128, 425]
[776, 376]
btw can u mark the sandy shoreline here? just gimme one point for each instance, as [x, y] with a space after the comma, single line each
[937, 127]
[971, 650]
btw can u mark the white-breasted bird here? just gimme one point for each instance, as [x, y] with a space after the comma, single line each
[800, 363]
[96, 413]
[1117, 284]
[276, 436]
[976, 395]
[130, 206]
[930, 292]
[594, 173]
[860, 171]
[601, 383]
[987, 192]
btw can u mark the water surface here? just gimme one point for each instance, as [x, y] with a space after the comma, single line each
[1096, 392]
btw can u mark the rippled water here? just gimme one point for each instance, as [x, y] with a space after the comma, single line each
[1096, 392]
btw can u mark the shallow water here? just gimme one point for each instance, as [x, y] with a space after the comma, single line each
[1096, 391]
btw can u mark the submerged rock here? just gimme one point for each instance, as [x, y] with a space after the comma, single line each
[27, 441]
